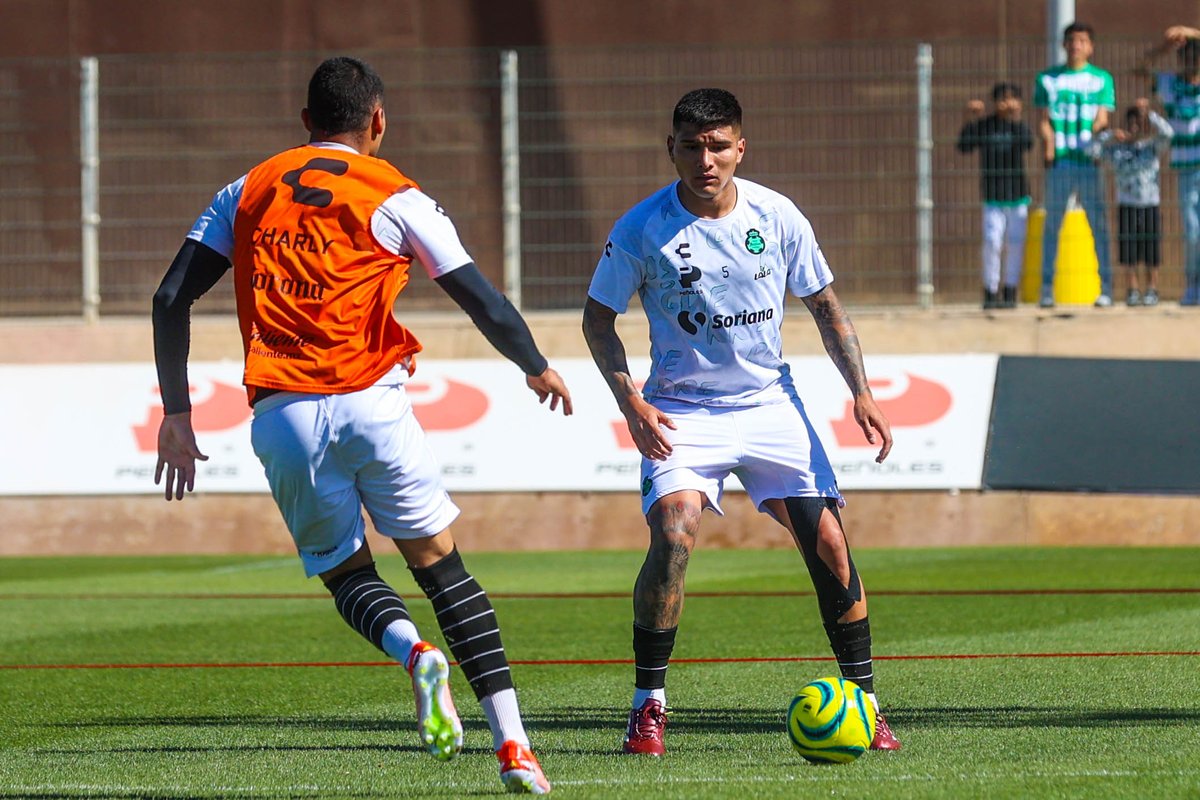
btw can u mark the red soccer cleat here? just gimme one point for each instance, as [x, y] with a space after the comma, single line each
[884, 738]
[519, 770]
[645, 732]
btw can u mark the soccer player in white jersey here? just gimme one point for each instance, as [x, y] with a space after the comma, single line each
[711, 257]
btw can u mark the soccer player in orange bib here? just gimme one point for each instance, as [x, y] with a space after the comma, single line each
[712, 257]
[320, 238]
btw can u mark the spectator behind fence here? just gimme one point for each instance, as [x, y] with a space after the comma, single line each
[1075, 99]
[1134, 154]
[1002, 138]
[1179, 95]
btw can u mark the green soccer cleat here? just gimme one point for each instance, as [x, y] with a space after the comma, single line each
[437, 720]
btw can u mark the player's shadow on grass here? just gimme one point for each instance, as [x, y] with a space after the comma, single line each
[720, 720]
[390, 749]
[1035, 717]
[244, 720]
[394, 735]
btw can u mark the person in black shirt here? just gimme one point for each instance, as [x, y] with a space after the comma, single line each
[1002, 139]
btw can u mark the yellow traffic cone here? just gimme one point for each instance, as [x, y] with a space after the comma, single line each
[1031, 276]
[1076, 270]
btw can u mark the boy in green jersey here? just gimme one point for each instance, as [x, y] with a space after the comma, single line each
[1074, 99]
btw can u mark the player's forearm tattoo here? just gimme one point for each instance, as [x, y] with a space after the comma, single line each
[839, 338]
[599, 329]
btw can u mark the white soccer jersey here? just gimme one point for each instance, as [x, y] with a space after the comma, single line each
[713, 290]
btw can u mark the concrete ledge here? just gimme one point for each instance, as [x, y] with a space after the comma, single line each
[214, 524]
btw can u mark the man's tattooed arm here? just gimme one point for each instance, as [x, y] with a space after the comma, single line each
[839, 337]
[646, 423]
[599, 329]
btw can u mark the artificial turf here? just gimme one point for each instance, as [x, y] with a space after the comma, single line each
[1006, 672]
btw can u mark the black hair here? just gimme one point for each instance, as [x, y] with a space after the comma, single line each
[342, 95]
[1005, 89]
[707, 109]
[1080, 27]
[1190, 49]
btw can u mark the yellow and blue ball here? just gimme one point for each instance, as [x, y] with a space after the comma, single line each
[831, 721]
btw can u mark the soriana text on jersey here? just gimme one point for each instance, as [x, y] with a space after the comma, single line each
[743, 318]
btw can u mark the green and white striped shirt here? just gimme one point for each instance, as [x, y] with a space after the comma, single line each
[1073, 98]
[1181, 102]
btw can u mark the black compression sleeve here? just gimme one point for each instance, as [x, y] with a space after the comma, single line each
[194, 271]
[495, 317]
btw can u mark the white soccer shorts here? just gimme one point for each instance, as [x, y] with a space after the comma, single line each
[772, 449]
[327, 456]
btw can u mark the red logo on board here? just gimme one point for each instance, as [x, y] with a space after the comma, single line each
[445, 405]
[922, 402]
[223, 409]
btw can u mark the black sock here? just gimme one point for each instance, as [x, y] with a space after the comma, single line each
[468, 623]
[851, 645]
[651, 652]
[367, 603]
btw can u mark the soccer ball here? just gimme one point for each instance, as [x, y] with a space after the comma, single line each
[831, 721]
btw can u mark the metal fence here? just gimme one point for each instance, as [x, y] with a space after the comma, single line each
[836, 127]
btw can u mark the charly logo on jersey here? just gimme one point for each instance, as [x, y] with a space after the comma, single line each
[755, 243]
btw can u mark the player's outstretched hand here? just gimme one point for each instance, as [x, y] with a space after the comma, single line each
[646, 425]
[550, 385]
[177, 454]
[874, 425]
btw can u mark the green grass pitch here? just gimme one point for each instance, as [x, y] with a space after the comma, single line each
[1020, 672]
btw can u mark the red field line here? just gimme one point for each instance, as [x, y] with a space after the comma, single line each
[570, 662]
[598, 595]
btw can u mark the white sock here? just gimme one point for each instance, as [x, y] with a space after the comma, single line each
[640, 696]
[504, 718]
[399, 638]
[874, 702]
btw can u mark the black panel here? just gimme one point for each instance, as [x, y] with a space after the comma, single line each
[1104, 425]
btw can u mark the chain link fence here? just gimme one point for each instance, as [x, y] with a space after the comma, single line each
[833, 126]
